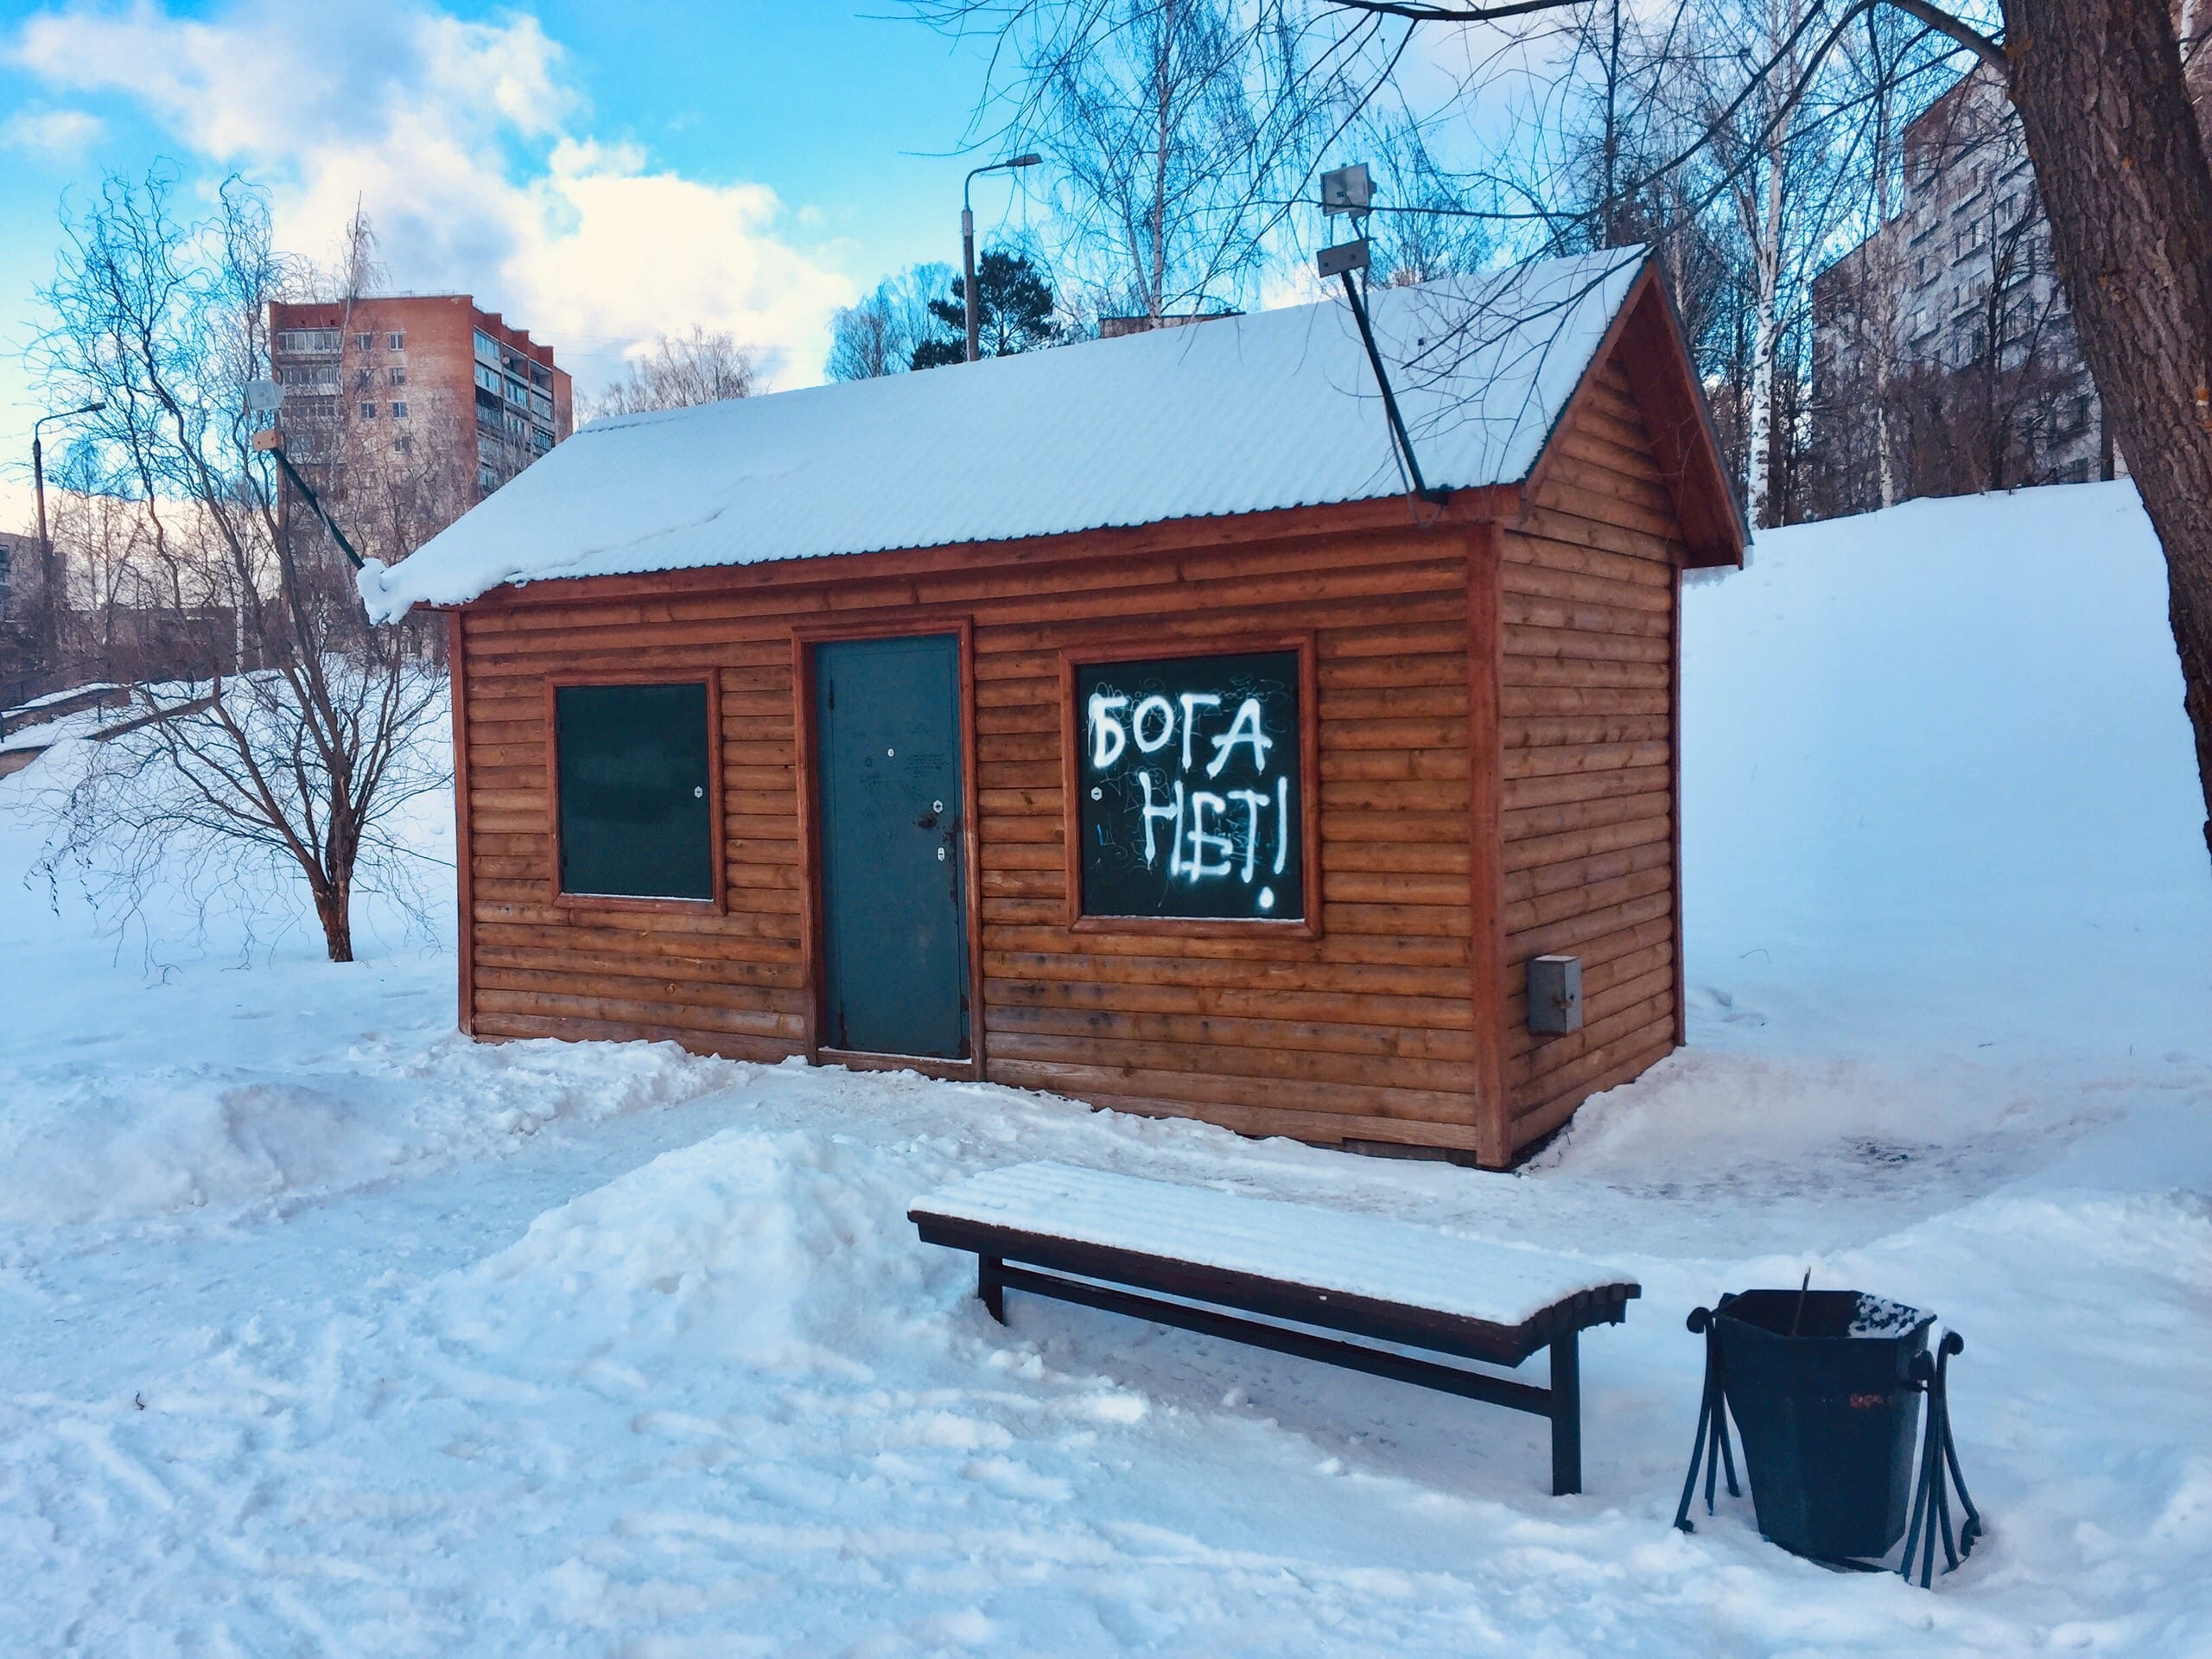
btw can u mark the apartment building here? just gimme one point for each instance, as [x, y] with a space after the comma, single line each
[1945, 358]
[17, 554]
[445, 391]
[1944, 355]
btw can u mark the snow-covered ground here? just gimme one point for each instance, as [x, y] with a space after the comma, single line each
[324, 1332]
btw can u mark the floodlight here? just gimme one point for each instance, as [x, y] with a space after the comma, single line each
[1347, 190]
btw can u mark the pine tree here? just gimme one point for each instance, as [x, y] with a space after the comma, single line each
[1015, 307]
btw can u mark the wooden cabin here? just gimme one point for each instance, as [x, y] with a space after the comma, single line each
[1113, 719]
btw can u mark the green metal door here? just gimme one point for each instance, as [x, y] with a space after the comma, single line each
[894, 915]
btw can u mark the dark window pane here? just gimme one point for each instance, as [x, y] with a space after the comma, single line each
[1188, 788]
[634, 811]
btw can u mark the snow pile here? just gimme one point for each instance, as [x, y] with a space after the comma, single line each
[84, 1145]
[707, 1256]
[463, 1348]
[1240, 415]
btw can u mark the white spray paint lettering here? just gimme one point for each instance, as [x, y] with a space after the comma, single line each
[1208, 836]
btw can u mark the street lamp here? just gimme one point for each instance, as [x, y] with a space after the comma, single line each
[50, 613]
[968, 245]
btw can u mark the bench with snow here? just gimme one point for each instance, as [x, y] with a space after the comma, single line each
[1158, 1251]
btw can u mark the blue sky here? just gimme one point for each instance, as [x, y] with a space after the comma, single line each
[598, 172]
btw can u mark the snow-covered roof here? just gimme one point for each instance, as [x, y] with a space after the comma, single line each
[1243, 414]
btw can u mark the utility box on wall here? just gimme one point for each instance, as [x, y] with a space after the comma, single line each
[1555, 995]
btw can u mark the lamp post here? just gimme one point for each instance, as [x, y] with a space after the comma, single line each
[968, 246]
[49, 607]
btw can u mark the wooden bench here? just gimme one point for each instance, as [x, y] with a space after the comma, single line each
[1181, 1256]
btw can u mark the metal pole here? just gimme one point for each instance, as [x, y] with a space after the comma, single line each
[47, 616]
[968, 247]
[968, 276]
[1390, 399]
[321, 512]
[50, 584]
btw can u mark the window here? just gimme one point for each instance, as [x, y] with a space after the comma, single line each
[1190, 789]
[404, 443]
[307, 342]
[396, 377]
[396, 341]
[364, 342]
[319, 374]
[487, 479]
[487, 349]
[488, 380]
[516, 392]
[635, 789]
[364, 379]
[541, 405]
[368, 411]
[400, 411]
[540, 439]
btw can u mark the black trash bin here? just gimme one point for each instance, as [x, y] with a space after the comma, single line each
[1825, 1387]
[1827, 1414]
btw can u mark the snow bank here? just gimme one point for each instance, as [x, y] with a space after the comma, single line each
[1938, 789]
[86, 1146]
[708, 1255]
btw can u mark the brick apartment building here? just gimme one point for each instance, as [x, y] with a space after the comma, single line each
[1944, 355]
[429, 381]
[17, 554]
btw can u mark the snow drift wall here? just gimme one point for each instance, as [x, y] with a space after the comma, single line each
[1938, 787]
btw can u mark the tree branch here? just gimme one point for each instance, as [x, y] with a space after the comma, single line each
[1416, 11]
[1965, 34]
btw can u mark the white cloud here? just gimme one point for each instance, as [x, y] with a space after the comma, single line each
[62, 134]
[464, 142]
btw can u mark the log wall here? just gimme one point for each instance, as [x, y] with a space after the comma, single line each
[1474, 811]
[1364, 1033]
[1588, 717]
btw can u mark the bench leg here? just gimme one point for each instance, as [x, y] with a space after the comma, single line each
[990, 1286]
[1567, 1416]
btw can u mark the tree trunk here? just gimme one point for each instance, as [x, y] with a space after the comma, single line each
[334, 908]
[1758, 464]
[2121, 166]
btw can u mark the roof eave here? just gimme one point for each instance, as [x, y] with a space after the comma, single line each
[1495, 502]
[1648, 339]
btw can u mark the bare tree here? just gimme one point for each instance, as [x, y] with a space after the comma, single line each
[1431, 233]
[292, 759]
[1176, 129]
[1772, 163]
[2121, 161]
[879, 335]
[678, 370]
